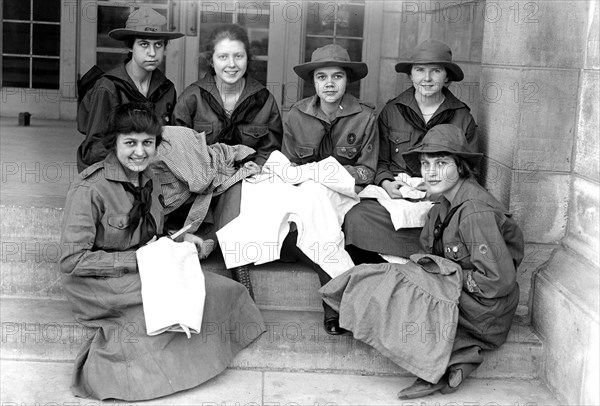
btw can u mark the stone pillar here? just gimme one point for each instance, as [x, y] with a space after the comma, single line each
[538, 116]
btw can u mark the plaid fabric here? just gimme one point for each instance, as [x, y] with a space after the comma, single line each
[188, 168]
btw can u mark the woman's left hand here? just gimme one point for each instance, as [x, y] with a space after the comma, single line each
[205, 247]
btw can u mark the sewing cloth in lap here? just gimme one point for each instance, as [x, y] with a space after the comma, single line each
[173, 289]
[408, 312]
[403, 213]
[187, 167]
[315, 197]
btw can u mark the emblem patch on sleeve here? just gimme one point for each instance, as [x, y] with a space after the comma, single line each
[351, 138]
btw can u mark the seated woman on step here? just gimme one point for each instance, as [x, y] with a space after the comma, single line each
[113, 208]
[473, 248]
[402, 124]
[332, 123]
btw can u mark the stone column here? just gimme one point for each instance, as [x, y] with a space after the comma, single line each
[538, 116]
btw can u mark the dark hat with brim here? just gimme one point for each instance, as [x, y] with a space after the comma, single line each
[446, 138]
[332, 55]
[432, 52]
[144, 22]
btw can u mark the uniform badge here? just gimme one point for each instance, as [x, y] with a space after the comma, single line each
[351, 138]
[483, 249]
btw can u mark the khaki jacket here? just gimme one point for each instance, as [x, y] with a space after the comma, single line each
[263, 134]
[95, 238]
[484, 239]
[111, 90]
[354, 135]
[397, 135]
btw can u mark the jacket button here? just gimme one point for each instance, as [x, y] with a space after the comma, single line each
[397, 140]
[396, 150]
[120, 224]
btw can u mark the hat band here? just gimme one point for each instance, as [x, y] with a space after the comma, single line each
[429, 56]
[450, 147]
[145, 28]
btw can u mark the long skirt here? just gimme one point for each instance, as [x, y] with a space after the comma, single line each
[404, 312]
[368, 226]
[121, 361]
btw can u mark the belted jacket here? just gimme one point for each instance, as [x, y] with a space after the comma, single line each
[96, 239]
[263, 133]
[112, 89]
[353, 129]
[397, 135]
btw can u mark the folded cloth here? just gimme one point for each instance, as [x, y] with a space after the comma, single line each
[173, 289]
[403, 213]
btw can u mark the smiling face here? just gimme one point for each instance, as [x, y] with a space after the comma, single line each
[135, 150]
[428, 79]
[229, 61]
[330, 84]
[148, 54]
[440, 174]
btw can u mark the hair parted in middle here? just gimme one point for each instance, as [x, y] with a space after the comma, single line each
[463, 167]
[232, 32]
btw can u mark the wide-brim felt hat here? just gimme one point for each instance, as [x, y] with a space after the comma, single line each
[144, 22]
[332, 55]
[432, 52]
[446, 138]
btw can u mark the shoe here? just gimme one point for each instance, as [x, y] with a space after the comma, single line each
[457, 373]
[421, 388]
[332, 326]
[241, 274]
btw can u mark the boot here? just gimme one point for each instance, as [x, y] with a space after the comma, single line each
[457, 373]
[241, 274]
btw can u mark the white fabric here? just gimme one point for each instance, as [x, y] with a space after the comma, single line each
[403, 213]
[315, 197]
[173, 289]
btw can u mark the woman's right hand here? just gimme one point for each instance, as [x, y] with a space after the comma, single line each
[393, 188]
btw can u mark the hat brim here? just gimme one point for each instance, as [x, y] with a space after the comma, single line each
[455, 72]
[356, 70]
[121, 34]
[414, 164]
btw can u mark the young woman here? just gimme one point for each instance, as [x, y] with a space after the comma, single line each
[402, 124]
[331, 123]
[137, 80]
[469, 227]
[230, 107]
[112, 209]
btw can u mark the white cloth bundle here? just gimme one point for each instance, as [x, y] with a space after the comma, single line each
[314, 196]
[173, 289]
[403, 213]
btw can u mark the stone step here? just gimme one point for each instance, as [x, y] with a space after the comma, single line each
[44, 330]
[39, 383]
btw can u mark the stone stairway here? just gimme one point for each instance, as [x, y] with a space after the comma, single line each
[294, 361]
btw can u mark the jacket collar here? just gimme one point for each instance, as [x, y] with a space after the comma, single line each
[114, 171]
[209, 84]
[119, 72]
[450, 101]
[310, 105]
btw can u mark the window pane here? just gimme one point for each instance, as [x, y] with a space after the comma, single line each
[46, 10]
[321, 18]
[16, 10]
[110, 18]
[258, 70]
[46, 39]
[15, 71]
[15, 38]
[45, 73]
[350, 20]
[108, 60]
[353, 46]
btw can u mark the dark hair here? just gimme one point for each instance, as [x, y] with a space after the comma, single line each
[463, 167]
[129, 41]
[131, 118]
[232, 32]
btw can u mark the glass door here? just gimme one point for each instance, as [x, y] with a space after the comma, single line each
[99, 17]
[265, 28]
